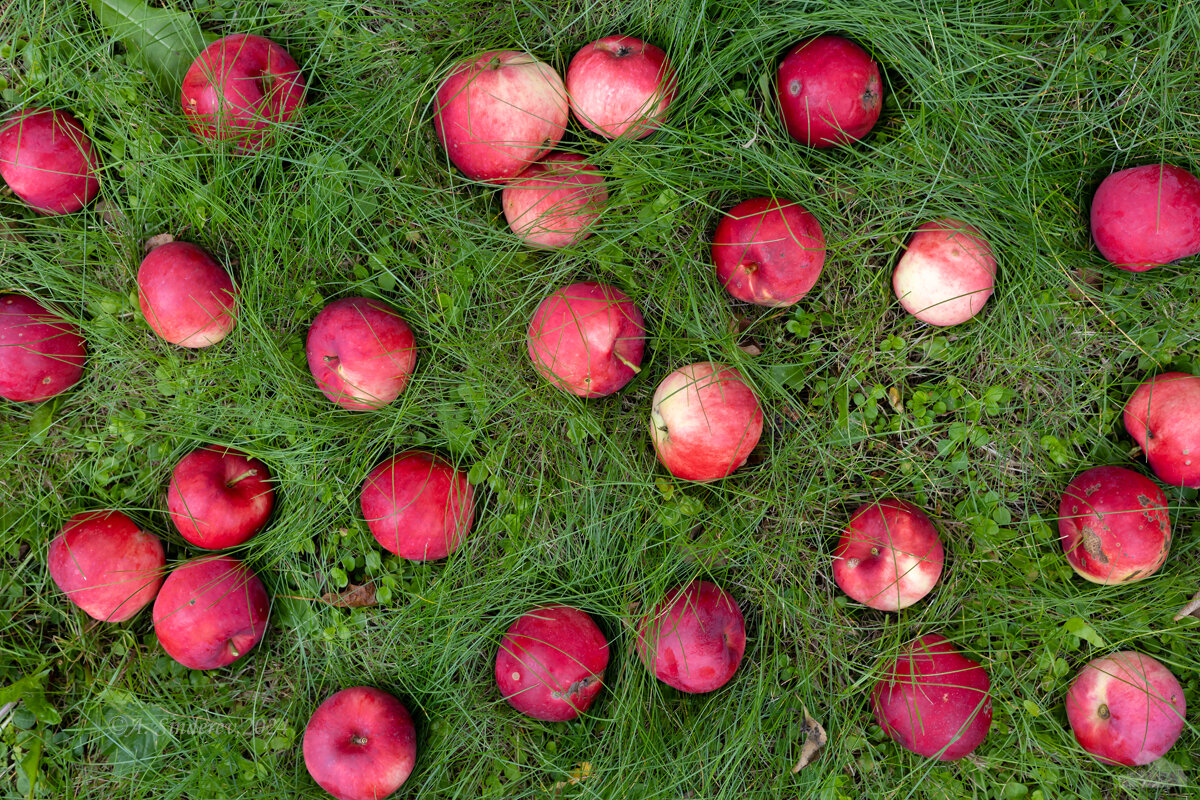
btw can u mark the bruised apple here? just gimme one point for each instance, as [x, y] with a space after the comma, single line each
[694, 638]
[106, 564]
[41, 354]
[829, 91]
[551, 663]
[1163, 417]
[946, 274]
[418, 506]
[48, 161]
[554, 202]
[1148, 216]
[186, 296]
[360, 744]
[768, 251]
[889, 556]
[219, 497]
[620, 86]
[361, 353]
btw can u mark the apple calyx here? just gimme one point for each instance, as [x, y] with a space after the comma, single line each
[248, 473]
[623, 51]
[1102, 712]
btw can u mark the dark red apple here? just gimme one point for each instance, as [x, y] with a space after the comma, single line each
[219, 497]
[768, 251]
[48, 161]
[933, 700]
[1126, 708]
[418, 506]
[551, 663]
[210, 612]
[1163, 417]
[554, 202]
[186, 296]
[1147, 216]
[240, 87]
[41, 354]
[587, 339]
[620, 86]
[694, 638]
[360, 744]
[946, 274]
[361, 353]
[704, 421]
[106, 565]
[1114, 525]
[889, 556]
[829, 91]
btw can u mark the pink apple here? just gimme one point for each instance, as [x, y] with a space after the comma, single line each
[240, 87]
[620, 85]
[210, 612]
[186, 296]
[889, 556]
[418, 506]
[1126, 708]
[829, 91]
[946, 274]
[498, 113]
[1114, 525]
[554, 202]
[704, 421]
[1163, 417]
[41, 354]
[768, 251]
[219, 497]
[48, 161]
[551, 663]
[106, 565]
[587, 339]
[933, 700]
[360, 744]
[694, 638]
[361, 353]
[1147, 216]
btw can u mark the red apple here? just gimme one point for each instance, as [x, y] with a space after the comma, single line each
[106, 565]
[1147, 216]
[587, 339]
[498, 113]
[239, 87]
[889, 556]
[551, 663]
[946, 274]
[1114, 525]
[361, 353]
[41, 354]
[210, 612]
[418, 506]
[554, 202]
[829, 91]
[768, 251]
[360, 744]
[219, 497]
[704, 421]
[1126, 708]
[620, 85]
[186, 296]
[1163, 417]
[694, 638]
[933, 700]
[48, 161]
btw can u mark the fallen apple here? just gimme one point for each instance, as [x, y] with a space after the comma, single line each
[554, 203]
[48, 161]
[361, 353]
[219, 497]
[418, 506]
[186, 296]
[360, 744]
[41, 354]
[889, 556]
[829, 91]
[551, 663]
[620, 85]
[946, 274]
[768, 251]
[1147, 216]
[1163, 417]
[106, 564]
[694, 638]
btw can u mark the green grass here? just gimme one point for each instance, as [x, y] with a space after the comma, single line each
[1004, 113]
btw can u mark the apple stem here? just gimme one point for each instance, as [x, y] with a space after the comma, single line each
[233, 649]
[636, 369]
[358, 740]
[242, 477]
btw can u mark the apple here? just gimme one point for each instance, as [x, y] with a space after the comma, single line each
[694, 638]
[210, 612]
[186, 296]
[946, 274]
[418, 506]
[1163, 417]
[361, 353]
[219, 497]
[1147, 216]
[554, 202]
[889, 556]
[933, 700]
[48, 161]
[620, 85]
[41, 354]
[704, 421]
[106, 564]
[498, 113]
[360, 744]
[551, 663]
[587, 339]
[768, 251]
[829, 91]
[239, 87]
[1126, 708]
[1114, 525]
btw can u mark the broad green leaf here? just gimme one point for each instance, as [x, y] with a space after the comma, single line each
[164, 41]
[1077, 626]
[31, 690]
